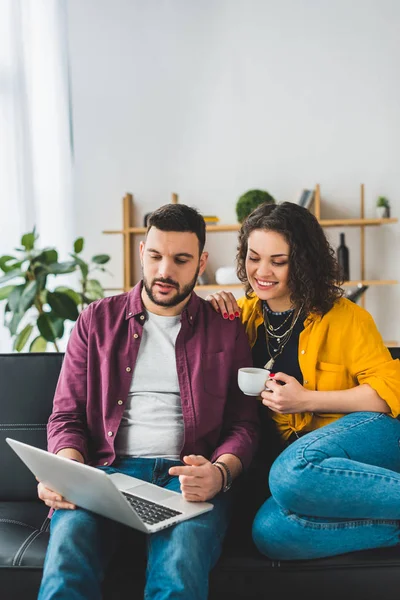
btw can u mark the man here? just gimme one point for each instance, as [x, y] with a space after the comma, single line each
[148, 388]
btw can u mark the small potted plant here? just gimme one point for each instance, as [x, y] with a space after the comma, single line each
[382, 207]
[249, 201]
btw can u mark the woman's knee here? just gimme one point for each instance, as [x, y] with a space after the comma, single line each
[267, 530]
[286, 477]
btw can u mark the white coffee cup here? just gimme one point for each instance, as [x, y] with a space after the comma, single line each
[252, 380]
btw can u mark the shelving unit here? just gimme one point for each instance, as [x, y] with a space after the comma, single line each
[362, 223]
[129, 231]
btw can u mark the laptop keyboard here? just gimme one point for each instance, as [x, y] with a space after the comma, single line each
[150, 512]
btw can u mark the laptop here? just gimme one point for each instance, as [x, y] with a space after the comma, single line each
[131, 501]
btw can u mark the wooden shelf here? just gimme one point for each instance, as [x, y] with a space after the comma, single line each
[212, 286]
[370, 282]
[128, 232]
[354, 222]
[236, 226]
[142, 230]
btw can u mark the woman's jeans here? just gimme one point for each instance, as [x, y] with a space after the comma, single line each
[334, 490]
[179, 558]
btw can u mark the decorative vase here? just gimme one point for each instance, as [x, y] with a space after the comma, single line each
[381, 212]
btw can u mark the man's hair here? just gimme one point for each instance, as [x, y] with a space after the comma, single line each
[314, 276]
[179, 217]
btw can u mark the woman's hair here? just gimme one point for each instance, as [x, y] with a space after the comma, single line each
[314, 276]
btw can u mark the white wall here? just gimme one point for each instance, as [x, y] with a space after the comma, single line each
[209, 99]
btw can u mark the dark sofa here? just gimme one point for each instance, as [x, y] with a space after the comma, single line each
[27, 383]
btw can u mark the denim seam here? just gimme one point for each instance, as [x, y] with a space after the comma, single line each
[353, 524]
[325, 434]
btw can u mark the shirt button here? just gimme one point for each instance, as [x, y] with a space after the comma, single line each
[105, 464]
[129, 314]
[303, 352]
[141, 317]
[120, 402]
[135, 335]
[128, 369]
[110, 434]
[306, 381]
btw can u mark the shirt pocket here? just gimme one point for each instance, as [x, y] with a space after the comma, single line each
[330, 377]
[215, 373]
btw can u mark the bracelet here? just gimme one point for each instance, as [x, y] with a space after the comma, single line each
[228, 473]
[220, 469]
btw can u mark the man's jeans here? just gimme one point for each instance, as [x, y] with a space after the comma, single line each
[346, 475]
[179, 557]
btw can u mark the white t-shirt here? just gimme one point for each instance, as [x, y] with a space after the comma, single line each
[152, 423]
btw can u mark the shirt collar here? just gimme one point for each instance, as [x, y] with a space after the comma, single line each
[136, 308]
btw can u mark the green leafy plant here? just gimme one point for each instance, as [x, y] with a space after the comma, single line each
[382, 201]
[249, 201]
[32, 310]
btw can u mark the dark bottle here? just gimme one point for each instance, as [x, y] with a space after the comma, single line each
[356, 295]
[343, 259]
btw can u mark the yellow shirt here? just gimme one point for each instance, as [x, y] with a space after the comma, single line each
[338, 351]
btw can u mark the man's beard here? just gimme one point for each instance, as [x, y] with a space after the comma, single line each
[178, 298]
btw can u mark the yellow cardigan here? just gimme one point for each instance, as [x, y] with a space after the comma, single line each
[338, 351]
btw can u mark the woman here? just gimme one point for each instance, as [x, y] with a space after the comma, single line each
[333, 394]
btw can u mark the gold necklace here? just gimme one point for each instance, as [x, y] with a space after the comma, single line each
[273, 330]
[282, 342]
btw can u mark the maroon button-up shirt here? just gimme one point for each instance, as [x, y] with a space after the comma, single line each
[99, 363]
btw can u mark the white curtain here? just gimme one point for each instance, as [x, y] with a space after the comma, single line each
[35, 128]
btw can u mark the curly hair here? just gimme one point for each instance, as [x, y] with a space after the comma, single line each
[314, 276]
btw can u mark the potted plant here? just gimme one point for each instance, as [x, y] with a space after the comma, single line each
[382, 207]
[250, 200]
[35, 313]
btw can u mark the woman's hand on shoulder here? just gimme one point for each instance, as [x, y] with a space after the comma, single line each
[224, 303]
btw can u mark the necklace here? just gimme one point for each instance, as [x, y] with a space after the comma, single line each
[274, 331]
[282, 340]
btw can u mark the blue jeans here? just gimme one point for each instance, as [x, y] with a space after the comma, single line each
[334, 490]
[179, 558]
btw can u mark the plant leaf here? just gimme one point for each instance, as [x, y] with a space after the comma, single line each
[27, 296]
[57, 268]
[51, 327]
[14, 297]
[100, 259]
[28, 240]
[63, 306]
[6, 291]
[45, 327]
[78, 245]
[84, 267]
[94, 290]
[49, 256]
[8, 263]
[15, 321]
[76, 297]
[39, 344]
[22, 338]
[57, 324]
[11, 274]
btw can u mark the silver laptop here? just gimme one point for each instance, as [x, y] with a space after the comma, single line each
[130, 501]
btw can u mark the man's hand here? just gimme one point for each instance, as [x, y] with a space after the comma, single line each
[200, 480]
[52, 499]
